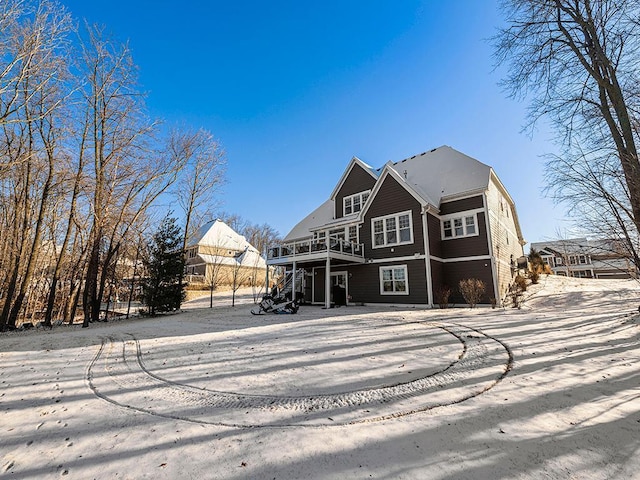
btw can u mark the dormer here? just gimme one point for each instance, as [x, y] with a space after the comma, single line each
[353, 189]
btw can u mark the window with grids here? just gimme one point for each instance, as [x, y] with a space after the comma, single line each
[463, 226]
[392, 230]
[393, 280]
[354, 203]
[353, 233]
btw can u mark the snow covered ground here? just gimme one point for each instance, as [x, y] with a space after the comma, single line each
[549, 391]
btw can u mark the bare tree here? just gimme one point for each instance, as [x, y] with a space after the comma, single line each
[32, 138]
[78, 166]
[212, 272]
[203, 163]
[261, 236]
[240, 272]
[127, 175]
[597, 194]
[578, 60]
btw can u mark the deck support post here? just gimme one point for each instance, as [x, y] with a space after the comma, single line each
[327, 283]
[293, 282]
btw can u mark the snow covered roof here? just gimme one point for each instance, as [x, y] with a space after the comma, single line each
[443, 173]
[250, 258]
[320, 216]
[573, 246]
[219, 234]
[440, 174]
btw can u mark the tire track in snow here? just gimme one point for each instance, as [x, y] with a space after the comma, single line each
[119, 376]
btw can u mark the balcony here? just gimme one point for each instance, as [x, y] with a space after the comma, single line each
[314, 250]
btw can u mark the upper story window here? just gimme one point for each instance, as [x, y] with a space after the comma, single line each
[354, 203]
[353, 233]
[577, 260]
[348, 233]
[392, 230]
[193, 252]
[460, 226]
[337, 233]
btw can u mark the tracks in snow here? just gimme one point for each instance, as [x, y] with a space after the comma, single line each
[118, 375]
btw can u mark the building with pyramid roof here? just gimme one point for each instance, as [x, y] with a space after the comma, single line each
[217, 254]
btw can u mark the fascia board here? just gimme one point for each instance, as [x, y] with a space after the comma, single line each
[512, 204]
[463, 195]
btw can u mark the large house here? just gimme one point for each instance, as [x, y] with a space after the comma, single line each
[218, 255]
[584, 258]
[403, 233]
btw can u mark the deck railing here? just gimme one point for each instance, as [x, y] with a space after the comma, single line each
[306, 248]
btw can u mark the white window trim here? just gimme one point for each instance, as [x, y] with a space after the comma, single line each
[351, 197]
[462, 216]
[323, 234]
[392, 267]
[384, 223]
[346, 229]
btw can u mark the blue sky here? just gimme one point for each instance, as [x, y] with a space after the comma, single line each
[294, 89]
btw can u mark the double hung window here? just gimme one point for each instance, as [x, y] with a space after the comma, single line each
[460, 226]
[354, 203]
[393, 280]
[391, 230]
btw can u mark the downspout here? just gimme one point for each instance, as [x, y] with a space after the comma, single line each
[494, 271]
[427, 255]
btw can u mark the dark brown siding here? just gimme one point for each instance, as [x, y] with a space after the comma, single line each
[364, 284]
[480, 269]
[393, 198]
[456, 206]
[318, 285]
[358, 180]
[435, 236]
[468, 246]
[437, 278]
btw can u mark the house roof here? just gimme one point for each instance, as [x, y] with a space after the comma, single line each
[439, 174]
[250, 258]
[219, 234]
[443, 173]
[573, 246]
[320, 216]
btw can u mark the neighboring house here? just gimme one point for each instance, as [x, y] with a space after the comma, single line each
[403, 232]
[217, 254]
[583, 258]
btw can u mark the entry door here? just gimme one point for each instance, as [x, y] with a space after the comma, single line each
[339, 280]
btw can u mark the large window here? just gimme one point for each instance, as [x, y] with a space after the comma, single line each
[392, 230]
[460, 226]
[393, 280]
[354, 203]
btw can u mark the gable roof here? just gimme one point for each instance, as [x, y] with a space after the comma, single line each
[354, 161]
[441, 174]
